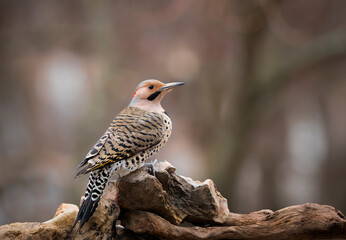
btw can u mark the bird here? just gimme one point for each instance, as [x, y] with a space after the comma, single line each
[136, 133]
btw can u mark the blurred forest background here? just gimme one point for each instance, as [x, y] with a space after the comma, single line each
[263, 111]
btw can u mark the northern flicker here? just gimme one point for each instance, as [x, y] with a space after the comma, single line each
[139, 131]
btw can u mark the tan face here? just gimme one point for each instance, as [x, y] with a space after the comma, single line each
[150, 90]
[149, 93]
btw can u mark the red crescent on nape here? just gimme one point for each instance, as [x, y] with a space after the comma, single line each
[135, 93]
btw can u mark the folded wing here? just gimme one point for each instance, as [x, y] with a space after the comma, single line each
[131, 132]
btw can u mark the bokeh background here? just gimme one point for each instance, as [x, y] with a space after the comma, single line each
[263, 111]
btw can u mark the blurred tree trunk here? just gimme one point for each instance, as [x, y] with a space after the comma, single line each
[233, 148]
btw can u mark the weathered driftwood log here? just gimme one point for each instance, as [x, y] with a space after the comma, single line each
[156, 205]
[173, 197]
[100, 226]
[306, 221]
[153, 207]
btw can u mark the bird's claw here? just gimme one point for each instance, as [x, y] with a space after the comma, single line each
[151, 165]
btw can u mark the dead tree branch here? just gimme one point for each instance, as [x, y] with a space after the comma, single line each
[151, 207]
[307, 221]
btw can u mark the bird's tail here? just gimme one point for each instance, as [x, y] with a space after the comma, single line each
[96, 185]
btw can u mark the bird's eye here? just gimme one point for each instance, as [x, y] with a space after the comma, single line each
[151, 86]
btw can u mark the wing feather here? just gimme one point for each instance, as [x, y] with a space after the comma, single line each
[131, 132]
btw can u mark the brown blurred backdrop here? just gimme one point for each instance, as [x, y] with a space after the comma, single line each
[263, 111]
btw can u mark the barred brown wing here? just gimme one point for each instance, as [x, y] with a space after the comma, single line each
[131, 132]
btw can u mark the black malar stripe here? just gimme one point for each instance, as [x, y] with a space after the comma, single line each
[154, 95]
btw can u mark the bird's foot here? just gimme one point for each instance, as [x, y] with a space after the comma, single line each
[151, 165]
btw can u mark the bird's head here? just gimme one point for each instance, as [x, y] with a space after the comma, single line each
[149, 93]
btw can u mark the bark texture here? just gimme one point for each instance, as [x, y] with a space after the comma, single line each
[153, 207]
[100, 226]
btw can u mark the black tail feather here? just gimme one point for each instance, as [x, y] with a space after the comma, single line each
[88, 212]
[96, 185]
[80, 213]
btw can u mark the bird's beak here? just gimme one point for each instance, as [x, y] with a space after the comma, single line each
[168, 86]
